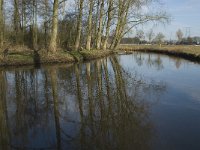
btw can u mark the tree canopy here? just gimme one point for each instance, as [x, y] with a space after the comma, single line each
[73, 25]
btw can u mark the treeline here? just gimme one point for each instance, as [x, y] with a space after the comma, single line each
[72, 24]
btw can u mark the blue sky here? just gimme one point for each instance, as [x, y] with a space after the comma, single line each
[184, 13]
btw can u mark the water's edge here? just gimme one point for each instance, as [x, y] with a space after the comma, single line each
[186, 56]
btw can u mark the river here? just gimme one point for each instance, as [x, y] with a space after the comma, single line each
[138, 101]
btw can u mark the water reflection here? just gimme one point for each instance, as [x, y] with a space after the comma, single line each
[4, 130]
[155, 61]
[95, 105]
[150, 61]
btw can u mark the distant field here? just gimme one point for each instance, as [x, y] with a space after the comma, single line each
[175, 49]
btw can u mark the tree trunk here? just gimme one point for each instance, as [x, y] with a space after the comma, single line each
[119, 18]
[99, 33]
[23, 16]
[115, 35]
[121, 22]
[46, 3]
[1, 23]
[34, 34]
[122, 25]
[88, 43]
[96, 22]
[79, 25]
[16, 20]
[110, 7]
[54, 30]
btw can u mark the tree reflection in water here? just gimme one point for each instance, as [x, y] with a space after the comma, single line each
[4, 130]
[95, 105]
[154, 61]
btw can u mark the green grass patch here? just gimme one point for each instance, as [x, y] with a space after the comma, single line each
[58, 57]
[93, 54]
[15, 58]
[76, 55]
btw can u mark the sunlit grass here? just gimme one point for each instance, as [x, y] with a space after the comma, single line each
[28, 57]
[187, 49]
[93, 54]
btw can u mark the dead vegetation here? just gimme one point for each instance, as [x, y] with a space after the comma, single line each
[190, 52]
[22, 55]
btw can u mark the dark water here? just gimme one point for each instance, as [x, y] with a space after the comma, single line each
[139, 101]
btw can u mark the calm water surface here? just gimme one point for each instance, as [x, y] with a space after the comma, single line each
[138, 101]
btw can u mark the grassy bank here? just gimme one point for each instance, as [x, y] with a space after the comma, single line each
[29, 57]
[18, 57]
[190, 52]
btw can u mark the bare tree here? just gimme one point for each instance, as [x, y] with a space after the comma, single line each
[79, 25]
[16, 20]
[1, 23]
[123, 8]
[89, 28]
[129, 17]
[34, 26]
[100, 26]
[179, 35]
[34, 23]
[109, 14]
[46, 17]
[24, 19]
[54, 30]
[150, 35]
[140, 35]
[159, 38]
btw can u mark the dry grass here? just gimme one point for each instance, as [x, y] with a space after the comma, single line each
[186, 49]
[59, 57]
[19, 55]
[189, 52]
[93, 54]
[23, 56]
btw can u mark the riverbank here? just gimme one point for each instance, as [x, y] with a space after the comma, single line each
[189, 52]
[29, 57]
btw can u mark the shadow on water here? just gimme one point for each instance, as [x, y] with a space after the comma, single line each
[95, 105]
[37, 60]
[4, 130]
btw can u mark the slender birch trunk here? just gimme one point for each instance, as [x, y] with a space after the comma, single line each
[110, 7]
[89, 30]
[122, 25]
[99, 33]
[79, 25]
[120, 12]
[121, 22]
